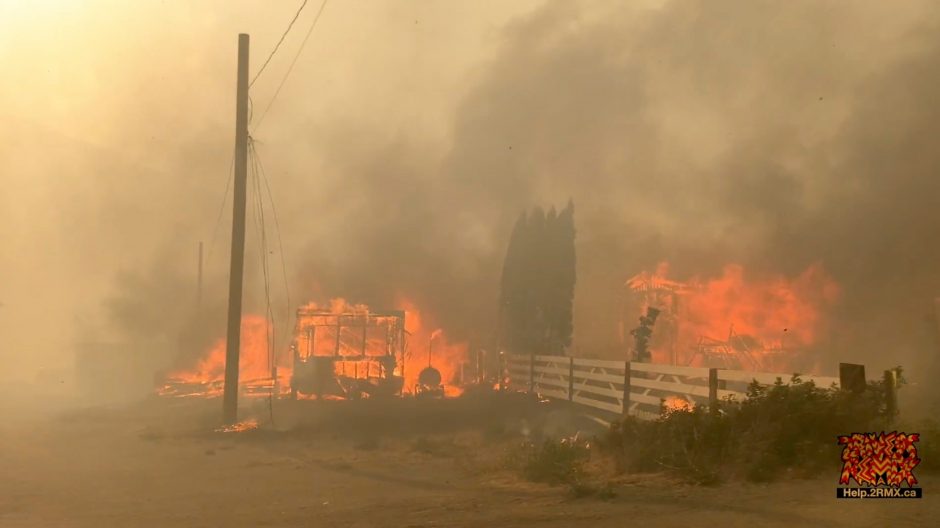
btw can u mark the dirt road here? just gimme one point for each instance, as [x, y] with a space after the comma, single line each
[157, 469]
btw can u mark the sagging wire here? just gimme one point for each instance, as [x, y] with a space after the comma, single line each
[259, 177]
[218, 221]
[270, 323]
[290, 68]
[279, 42]
[277, 231]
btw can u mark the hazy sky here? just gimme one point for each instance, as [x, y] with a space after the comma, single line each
[411, 134]
[118, 126]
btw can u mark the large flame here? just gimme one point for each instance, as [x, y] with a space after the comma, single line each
[323, 340]
[256, 359]
[447, 357]
[772, 317]
[206, 376]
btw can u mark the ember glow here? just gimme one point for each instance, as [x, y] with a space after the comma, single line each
[759, 323]
[673, 404]
[239, 427]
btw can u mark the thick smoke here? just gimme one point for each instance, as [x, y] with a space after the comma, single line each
[770, 134]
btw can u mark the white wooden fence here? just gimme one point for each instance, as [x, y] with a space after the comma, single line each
[638, 389]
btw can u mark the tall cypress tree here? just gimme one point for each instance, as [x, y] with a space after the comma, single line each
[552, 287]
[564, 321]
[534, 281]
[511, 299]
[537, 287]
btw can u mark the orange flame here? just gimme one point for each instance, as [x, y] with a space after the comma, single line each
[205, 378]
[445, 356]
[776, 315]
[254, 365]
[675, 404]
[239, 427]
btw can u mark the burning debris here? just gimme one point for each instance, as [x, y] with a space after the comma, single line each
[674, 404]
[339, 351]
[348, 351]
[259, 372]
[240, 427]
[733, 321]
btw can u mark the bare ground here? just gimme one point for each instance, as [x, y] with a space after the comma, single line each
[161, 464]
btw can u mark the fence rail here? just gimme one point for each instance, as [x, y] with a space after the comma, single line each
[637, 389]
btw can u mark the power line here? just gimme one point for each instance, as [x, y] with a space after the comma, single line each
[278, 45]
[277, 229]
[293, 62]
[259, 196]
[218, 220]
[270, 323]
[259, 177]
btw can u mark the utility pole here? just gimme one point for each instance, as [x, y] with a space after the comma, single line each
[233, 336]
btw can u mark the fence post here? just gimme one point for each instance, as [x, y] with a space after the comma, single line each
[571, 379]
[852, 378]
[713, 389]
[626, 389]
[891, 393]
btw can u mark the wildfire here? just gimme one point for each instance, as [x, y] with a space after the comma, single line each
[767, 319]
[675, 404]
[445, 356]
[205, 378]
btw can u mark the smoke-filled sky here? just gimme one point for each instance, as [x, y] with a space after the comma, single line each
[411, 134]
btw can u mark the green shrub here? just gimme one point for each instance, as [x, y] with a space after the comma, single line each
[692, 442]
[785, 428]
[554, 462]
[559, 463]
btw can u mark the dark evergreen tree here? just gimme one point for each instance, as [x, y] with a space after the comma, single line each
[552, 287]
[537, 288]
[567, 264]
[534, 277]
[512, 294]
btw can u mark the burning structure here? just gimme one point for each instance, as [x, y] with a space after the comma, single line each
[340, 350]
[261, 372]
[348, 352]
[731, 322]
[654, 291]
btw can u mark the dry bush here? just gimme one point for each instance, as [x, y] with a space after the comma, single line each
[781, 429]
[558, 463]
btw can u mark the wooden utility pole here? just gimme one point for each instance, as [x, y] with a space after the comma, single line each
[233, 336]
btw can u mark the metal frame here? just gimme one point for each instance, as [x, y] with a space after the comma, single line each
[310, 320]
